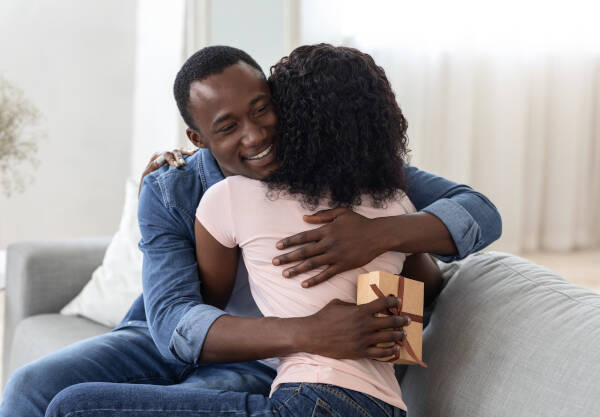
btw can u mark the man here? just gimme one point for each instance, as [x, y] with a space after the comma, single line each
[167, 347]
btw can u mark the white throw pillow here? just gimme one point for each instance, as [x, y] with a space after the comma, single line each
[118, 281]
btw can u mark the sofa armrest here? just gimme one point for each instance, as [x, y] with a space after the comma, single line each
[507, 337]
[43, 276]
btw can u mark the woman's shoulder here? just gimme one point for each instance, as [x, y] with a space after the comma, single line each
[240, 183]
[399, 205]
[239, 187]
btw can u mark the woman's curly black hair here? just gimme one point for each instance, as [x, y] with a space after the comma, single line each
[341, 134]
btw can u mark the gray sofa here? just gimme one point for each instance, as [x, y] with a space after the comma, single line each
[41, 278]
[506, 337]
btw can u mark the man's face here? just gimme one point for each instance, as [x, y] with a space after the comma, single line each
[235, 120]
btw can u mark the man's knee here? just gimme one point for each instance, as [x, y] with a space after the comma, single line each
[24, 394]
[73, 398]
[27, 378]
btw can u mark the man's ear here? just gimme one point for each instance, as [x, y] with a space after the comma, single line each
[195, 138]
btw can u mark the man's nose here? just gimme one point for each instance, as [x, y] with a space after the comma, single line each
[255, 135]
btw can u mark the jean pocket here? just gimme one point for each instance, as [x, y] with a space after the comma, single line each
[322, 410]
[284, 394]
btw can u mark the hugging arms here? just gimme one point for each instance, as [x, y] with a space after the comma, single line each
[355, 160]
[235, 120]
[463, 218]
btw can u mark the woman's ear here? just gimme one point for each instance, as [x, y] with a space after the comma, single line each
[195, 138]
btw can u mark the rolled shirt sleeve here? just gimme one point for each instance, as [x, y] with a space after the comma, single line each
[188, 338]
[177, 317]
[472, 220]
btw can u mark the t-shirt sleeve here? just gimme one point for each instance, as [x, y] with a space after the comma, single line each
[215, 214]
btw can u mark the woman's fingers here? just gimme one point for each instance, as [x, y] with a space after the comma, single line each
[174, 158]
[170, 158]
[156, 161]
[179, 156]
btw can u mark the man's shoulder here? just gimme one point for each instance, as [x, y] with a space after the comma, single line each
[183, 187]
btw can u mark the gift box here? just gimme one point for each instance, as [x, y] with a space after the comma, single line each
[381, 284]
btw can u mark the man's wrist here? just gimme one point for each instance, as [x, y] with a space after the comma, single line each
[387, 233]
[299, 335]
[419, 232]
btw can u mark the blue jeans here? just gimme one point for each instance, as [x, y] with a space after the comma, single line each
[120, 368]
[297, 400]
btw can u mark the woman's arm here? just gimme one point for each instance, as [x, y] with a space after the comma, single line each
[422, 267]
[217, 265]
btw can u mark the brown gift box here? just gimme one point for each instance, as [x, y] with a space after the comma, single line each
[380, 284]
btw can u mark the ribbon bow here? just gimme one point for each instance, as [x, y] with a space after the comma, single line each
[396, 312]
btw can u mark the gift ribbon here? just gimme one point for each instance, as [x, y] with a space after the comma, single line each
[396, 312]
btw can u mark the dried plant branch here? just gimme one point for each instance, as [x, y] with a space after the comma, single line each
[18, 138]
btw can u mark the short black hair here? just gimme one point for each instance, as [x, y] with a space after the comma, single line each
[341, 134]
[202, 64]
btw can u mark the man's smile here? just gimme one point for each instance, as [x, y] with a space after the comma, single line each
[260, 155]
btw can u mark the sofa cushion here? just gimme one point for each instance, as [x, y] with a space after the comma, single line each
[39, 335]
[508, 338]
[118, 281]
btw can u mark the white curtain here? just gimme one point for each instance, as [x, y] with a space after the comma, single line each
[504, 96]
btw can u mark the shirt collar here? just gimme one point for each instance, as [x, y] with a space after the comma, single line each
[212, 171]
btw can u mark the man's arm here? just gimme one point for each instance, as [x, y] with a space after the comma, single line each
[339, 330]
[178, 318]
[452, 222]
[185, 328]
[262, 337]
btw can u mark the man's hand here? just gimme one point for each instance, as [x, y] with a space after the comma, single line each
[347, 241]
[346, 331]
[350, 240]
[339, 330]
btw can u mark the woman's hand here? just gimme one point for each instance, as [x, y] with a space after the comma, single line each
[173, 158]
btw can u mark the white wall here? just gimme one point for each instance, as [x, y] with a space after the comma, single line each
[75, 60]
[159, 55]
[259, 27]
[169, 32]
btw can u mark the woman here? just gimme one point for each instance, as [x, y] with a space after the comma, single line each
[343, 144]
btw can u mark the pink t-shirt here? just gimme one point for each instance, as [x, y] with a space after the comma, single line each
[238, 212]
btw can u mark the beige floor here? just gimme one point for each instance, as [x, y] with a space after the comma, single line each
[581, 268]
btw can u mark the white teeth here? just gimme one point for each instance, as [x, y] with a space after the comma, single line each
[262, 154]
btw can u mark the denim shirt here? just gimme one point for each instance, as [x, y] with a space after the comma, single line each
[171, 304]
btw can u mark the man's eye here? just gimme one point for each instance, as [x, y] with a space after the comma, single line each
[262, 109]
[228, 128]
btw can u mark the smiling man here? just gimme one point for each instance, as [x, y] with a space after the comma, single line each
[171, 344]
[238, 99]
